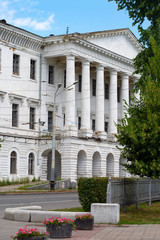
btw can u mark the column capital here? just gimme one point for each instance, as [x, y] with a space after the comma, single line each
[70, 57]
[124, 75]
[100, 67]
[85, 62]
[113, 71]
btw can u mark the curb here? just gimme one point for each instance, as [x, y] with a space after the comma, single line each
[35, 214]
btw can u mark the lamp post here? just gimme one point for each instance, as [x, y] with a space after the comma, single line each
[52, 177]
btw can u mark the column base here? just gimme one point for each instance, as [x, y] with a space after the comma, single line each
[111, 137]
[100, 135]
[70, 131]
[85, 133]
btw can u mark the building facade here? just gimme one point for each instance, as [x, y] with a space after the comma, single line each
[85, 79]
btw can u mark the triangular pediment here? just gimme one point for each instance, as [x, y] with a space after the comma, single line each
[121, 41]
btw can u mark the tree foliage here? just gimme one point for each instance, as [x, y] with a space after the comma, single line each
[139, 134]
[139, 10]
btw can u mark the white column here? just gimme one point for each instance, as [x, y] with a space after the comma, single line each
[125, 92]
[100, 99]
[70, 95]
[85, 112]
[137, 94]
[113, 102]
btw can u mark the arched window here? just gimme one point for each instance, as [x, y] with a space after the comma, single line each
[31, 164]
[13, 163]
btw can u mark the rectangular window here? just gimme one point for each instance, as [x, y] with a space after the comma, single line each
[32, 69]
[106, 93]
[51, 75]
[13, 163]
[93, 87]
[80, 83]
[64, 119]
[64, 78]
[32, 118]
[106, 127]
[118, 94]
[79, 122]
[16, 64]
[50, 121]
[14, 115]
[93, 124]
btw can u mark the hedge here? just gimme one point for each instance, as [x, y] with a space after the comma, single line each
[92, 190]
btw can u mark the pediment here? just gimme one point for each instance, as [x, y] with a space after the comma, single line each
[121, 41]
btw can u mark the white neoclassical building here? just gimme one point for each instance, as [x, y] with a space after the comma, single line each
[31, 67]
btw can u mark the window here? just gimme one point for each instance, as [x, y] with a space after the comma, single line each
[14, 115]
[50, 121]
[93, 125]
[79, 122]
[13, 163]
[106, 127]
[32, 118]
[94, 87]
[64, 78]
[64, 116]
[32, 69]
[106, 93]
[80, 83]
[31, 164]
[16, 64]
[51, 75]
[118, 94]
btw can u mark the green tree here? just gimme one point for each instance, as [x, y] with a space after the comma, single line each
[139, 11]
[139, 134]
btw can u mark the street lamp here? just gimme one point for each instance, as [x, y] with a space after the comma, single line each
[52, 177]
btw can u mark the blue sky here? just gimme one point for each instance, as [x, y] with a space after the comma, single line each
[45, 17]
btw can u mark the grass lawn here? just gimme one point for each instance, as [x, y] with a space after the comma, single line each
[143, 215]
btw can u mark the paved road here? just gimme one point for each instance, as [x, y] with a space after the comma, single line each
[46, 200]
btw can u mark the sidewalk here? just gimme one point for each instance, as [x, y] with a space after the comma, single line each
[100, 232]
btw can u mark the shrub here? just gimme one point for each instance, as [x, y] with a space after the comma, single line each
[92, 190]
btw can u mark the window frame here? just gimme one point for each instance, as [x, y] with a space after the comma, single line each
[79, 83]
[32, 114]
[94, 87]
[50, 121]
[33, 69]
[13, 162]
[64, 79]
[93, 125]
[16, 64]
[106, 90]
[31, 160]
[15, 114]
[79, 123]
[118, 94]
[106, 126]
[51, 74]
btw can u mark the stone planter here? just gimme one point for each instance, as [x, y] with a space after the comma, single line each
[63, 231]
[84, 224]
[33, 238]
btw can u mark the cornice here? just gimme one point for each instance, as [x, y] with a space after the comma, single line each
[117, 32]
[20, 38]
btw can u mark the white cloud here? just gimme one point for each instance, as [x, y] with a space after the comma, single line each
[37, 25]
[9, 11]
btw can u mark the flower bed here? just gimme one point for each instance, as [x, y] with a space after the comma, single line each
[59, 227]
[84, 222]
[29, 234]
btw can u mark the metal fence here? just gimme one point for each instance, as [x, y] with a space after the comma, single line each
[132, 191]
